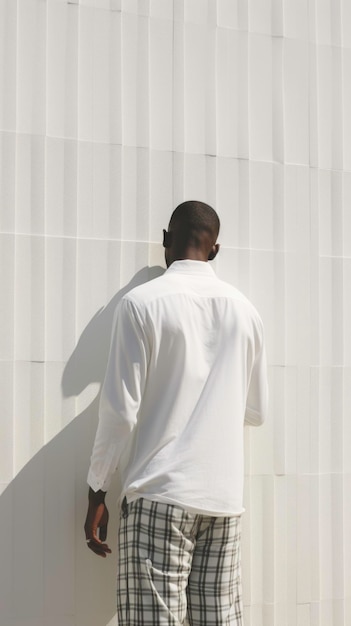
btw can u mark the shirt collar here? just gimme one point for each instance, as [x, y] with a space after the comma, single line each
[188, 266]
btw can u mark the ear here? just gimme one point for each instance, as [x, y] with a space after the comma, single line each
[167, 239]
[214, 252]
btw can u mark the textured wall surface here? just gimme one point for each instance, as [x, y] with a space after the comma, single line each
[111, 113]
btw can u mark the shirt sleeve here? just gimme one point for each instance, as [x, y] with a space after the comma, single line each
[257, 396]
[120, 395]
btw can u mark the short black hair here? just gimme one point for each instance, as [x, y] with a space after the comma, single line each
[192, 219]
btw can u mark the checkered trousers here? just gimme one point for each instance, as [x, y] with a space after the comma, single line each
[176, 566]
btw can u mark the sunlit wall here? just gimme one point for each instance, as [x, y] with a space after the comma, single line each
[111, 113]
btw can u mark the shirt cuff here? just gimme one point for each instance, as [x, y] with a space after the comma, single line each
[253, 418]
[97, 483]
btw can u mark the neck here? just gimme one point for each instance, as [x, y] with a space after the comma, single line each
[189, 254]
[192, 256]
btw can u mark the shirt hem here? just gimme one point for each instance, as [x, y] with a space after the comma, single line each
[182, 505]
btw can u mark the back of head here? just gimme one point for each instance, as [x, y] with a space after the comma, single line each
[194, 221]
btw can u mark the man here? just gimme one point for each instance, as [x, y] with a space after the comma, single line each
[186, 369]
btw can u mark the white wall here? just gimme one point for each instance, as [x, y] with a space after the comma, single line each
[111, 113]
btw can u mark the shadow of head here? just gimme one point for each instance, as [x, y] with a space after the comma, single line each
[87, 364]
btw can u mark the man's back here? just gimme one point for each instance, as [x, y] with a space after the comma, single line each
[200, 338]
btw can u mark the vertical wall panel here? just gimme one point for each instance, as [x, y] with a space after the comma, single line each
[232, 93]
[7, 301]
[135, 72]
[99, 191]
[28, 408]
[8, 180]
[328, 24]
[29, 298]
[60, 301]
[346, 104]
[199, 105]
[30, 184]
[28, 556]
[347, 312]
[232, 202]
[296, 113]
[161, 193]
[62, 69]
[296, 22]
[161, 84]
[111, 113]
[330, 129]
[260, 97]
[135, 194]
[31, 67]
[85, 73]
[229, 13]
[7, 435]
[61, 187]
[8, 62]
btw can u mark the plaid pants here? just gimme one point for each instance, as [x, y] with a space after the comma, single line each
[176, 566]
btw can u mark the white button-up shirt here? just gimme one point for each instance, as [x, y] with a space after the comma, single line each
[186, 369]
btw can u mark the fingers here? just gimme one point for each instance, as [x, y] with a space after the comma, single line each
[99, 548]
[96, 529]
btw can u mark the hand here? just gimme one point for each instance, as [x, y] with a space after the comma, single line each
[96, 522]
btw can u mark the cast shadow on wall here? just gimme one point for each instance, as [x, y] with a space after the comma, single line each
[49, 577]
